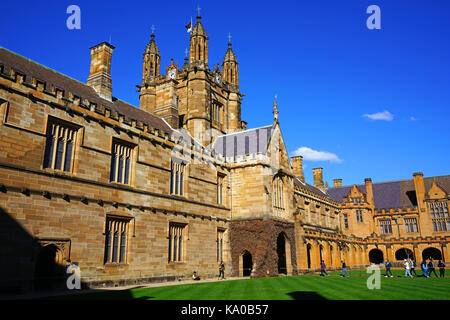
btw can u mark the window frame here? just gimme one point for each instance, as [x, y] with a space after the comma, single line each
[54, 127]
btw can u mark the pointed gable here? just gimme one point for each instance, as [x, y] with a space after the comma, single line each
[436, 192]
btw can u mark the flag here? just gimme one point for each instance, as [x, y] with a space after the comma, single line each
[189, 26]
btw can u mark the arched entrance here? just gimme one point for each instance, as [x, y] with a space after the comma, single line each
[48, 274]
[431, 253]
[320, 253]
[404, 253]
[281, 251]
[247, 264]
[376, 256]
[308, 255]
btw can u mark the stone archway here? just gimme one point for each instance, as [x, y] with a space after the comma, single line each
[308, 255]
[433, 253]
[281, 252]
[48, 272]
[247, 264]
[404, 253]
[376, 256]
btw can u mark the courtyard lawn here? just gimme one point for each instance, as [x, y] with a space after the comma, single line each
[305, 287]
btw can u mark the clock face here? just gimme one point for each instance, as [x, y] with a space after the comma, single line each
[172, 74]
[218, 78]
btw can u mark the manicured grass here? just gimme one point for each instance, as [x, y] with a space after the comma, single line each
[290, 288]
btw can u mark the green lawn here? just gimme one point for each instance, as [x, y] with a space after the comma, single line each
[288, 288]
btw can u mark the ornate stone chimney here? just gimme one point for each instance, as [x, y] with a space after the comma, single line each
[318, 177]
[100, 71]
[297, 166]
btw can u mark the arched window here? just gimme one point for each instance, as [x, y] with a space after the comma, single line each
[278, 197]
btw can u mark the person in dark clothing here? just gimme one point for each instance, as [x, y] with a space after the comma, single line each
[412, 265]
[222, 270]
[441, 266]
[344, 269]
[388, 269]
[431, 268]
[323, 269]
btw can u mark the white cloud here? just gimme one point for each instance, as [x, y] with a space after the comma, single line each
[385, 115]
[314, 155]
[412, 119]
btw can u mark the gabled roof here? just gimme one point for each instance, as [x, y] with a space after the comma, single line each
[392, 194]
[246, 142]
[301, 184]
[31, 69]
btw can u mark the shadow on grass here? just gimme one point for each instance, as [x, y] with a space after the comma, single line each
[305, 295]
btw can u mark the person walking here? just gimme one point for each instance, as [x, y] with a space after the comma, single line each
[407, 268]
[344, 269]
[323, 269]
[431, 268]
[413, 267]
[388, 266]
[221, 270]
[424, 267]
[441, 266]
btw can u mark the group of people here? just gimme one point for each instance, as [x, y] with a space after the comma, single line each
[410, 268]
[323, 269]
[427, 266]
[195, 276]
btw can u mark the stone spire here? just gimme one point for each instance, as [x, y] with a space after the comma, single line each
[230, 70]
[152, 61]
[275, 110]
[198, 51]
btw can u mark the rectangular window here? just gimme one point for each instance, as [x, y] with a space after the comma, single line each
[220, 239]
[359, 216]
[177, 178]
[116, 235]
[59, 146]
[411, 225]
[121, 163]
[216, 112]
[439, 216]
[176, 242]
[385, 226]
[220, 189]
[345, 221]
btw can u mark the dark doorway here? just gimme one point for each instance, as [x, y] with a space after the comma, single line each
[404, 253]
[308, 255]
[247, 264]
[281, 251]
[376, 256]
[47, 274]
[431, 253]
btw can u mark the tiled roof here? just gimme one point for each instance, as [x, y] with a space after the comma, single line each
[51, 78]
[392, 194]
[246, 142]
[301, 184]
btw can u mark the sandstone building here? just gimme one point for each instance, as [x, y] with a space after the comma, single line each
[134, 195]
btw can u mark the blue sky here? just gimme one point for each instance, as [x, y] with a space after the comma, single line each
[331, 73]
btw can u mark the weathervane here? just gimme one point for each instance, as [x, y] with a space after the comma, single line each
[229, 37]
[153, 28]
[198, 9]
